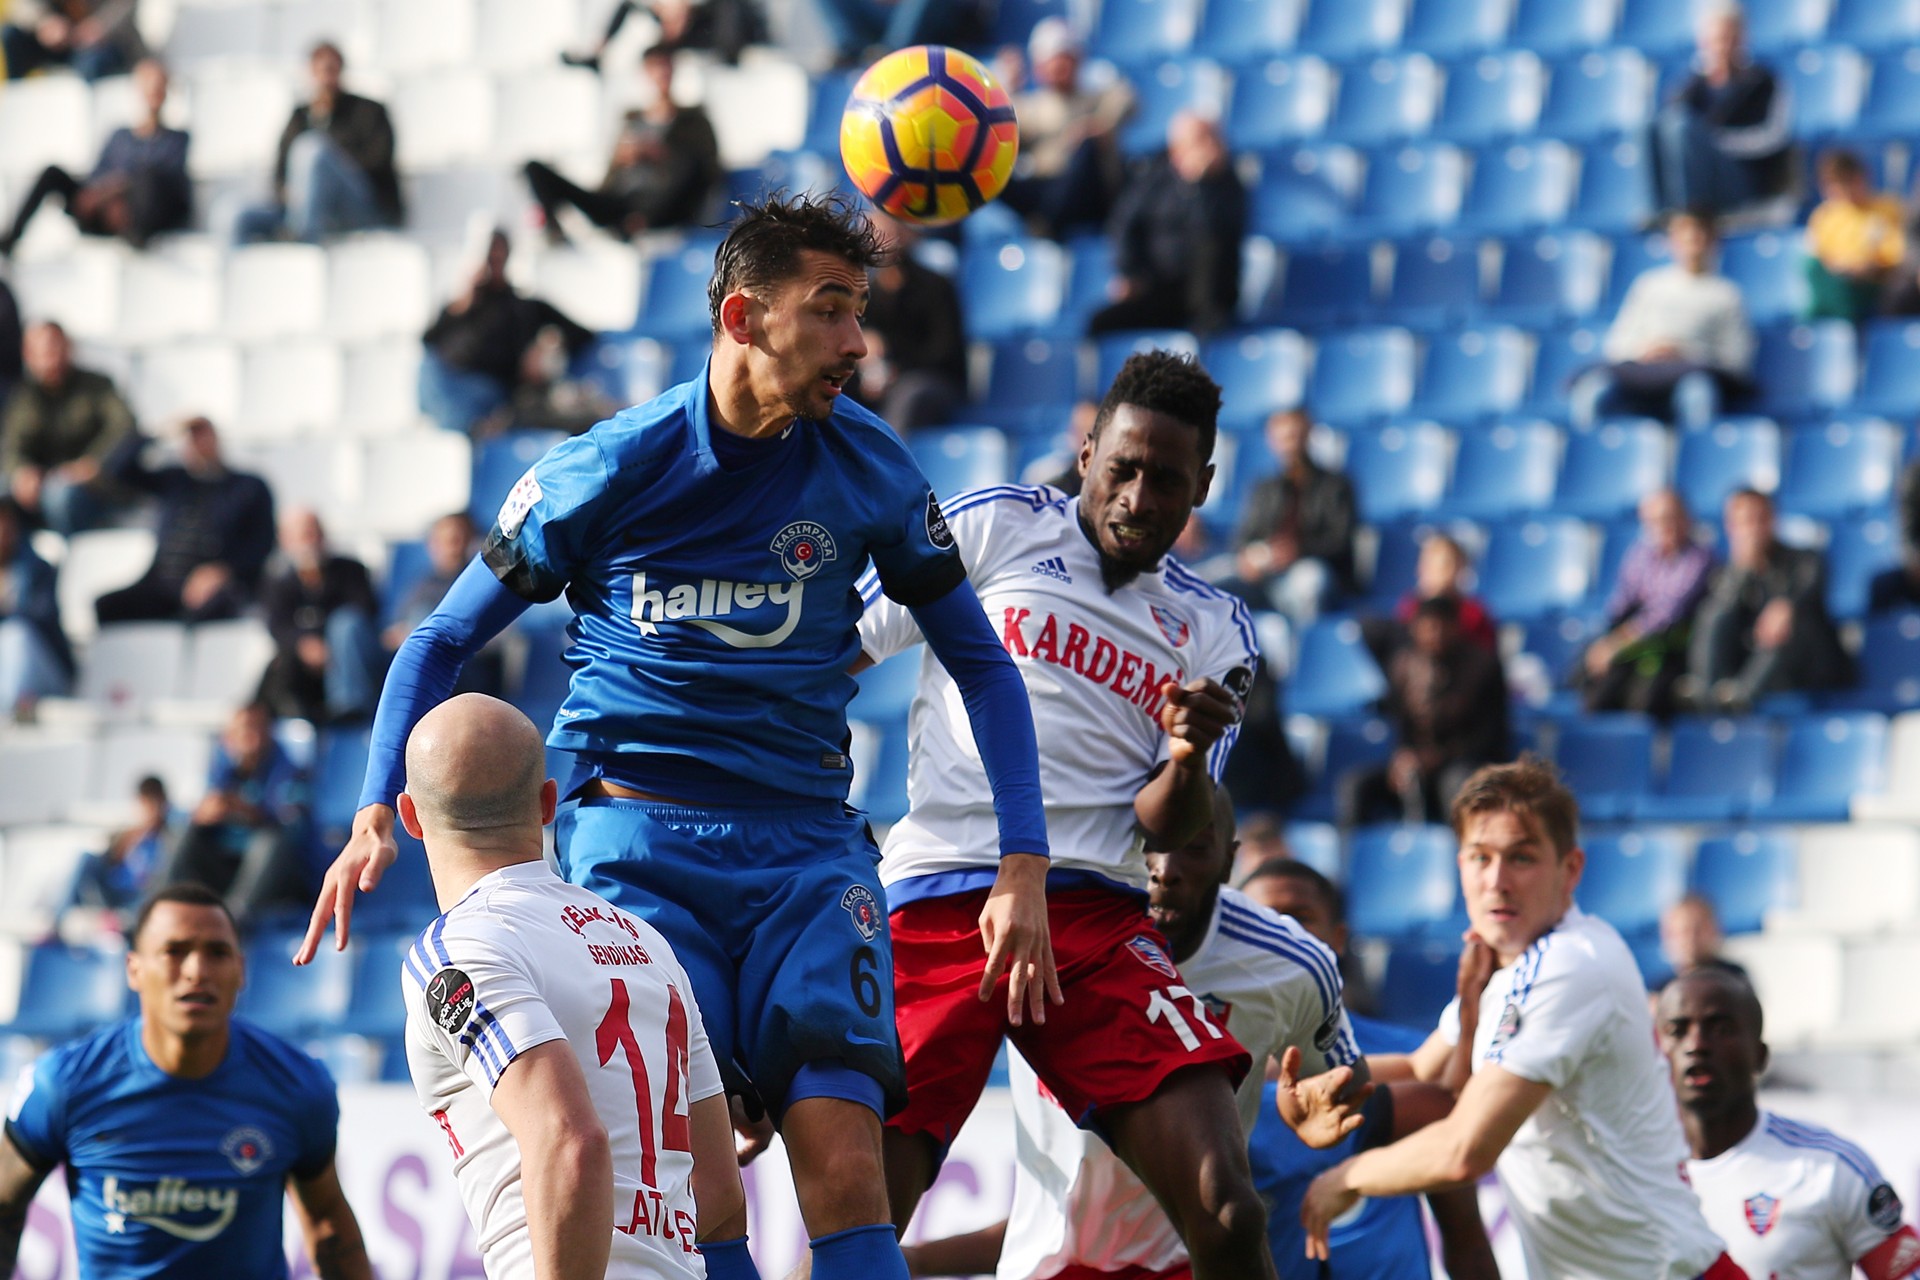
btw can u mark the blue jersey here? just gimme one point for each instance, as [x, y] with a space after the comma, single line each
[1385, 1240]
[714, 597]
[171, 1177]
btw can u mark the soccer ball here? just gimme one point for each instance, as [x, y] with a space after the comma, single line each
[928, 135]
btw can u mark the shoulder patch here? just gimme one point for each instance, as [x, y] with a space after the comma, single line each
[1328, 1033]
[450, 1000]
[1507, 1028]
[1883, 1207]
[520, 500]
[937, 532]
[1239, 683]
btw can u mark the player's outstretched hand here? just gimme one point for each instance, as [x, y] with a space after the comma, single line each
[1322, 1110]
[370, 851]
[1013, 928]
[1195, 715]
[1326, 1201]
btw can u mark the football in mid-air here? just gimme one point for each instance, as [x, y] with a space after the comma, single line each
[929, 135]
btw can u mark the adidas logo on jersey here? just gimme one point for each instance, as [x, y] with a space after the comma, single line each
[703, 603]
[155, 1206]
[1053, 567]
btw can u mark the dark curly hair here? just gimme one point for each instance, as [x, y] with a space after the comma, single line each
[764, 244]
[1166, 382]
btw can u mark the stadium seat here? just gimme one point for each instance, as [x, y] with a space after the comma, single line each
[1561, 26]
[1598, 94]
[133, 663]
[510, 34]
[1436, 283]
[1556, 641]
[1455, 28]
[1137, 32]
[1825, 760]
[1768, 268]
[1420, 981]
[1631, 878]
[1828, 86]
[65, 991]
[165, 297]
[1806, 369]
[128, 753]
[1536, 566]
[295, 1003]
[288, 389]
[1562, 354]
[1350, 742]
[1609, 468]
[1840, 468]
[1353, 30]
[1726, 456]
[1399, 880]
[1856, 880]
[1165, 90]
[1318, 845]
[380, 387]
[1503, 470]
[1892, 108]
[545, 113]
[46, 777]
[1890, 376]
[498, 465]
[1012, 288]
[1616, 187]
[375, 1006]
[1658, 27]
[1333, 673]
[829, 102]
[1900, 800]
[879, 752]
[238, 113]
[1386, 100]
[1492, 96]
[1889, 662]
[1398, 470]
[1363, 374]
[98, 562]
[442, 119]
[1410, 191]
[1774, 26]
[1547, 279]
[1306, 194]
[673, 306]
[1395, 560]
[1110, 351]
[1875, 24]
[415, 477]
[1029, 372]
[199, 377]
[378, 286]
[1719, 770]
[955, 459]
[1258, 372]
[225, 661]
[1320, 287]
[1475, 373]
[1857, 551]
[1746, 874]
[275, 291]
[1281, 101]
[596, 284]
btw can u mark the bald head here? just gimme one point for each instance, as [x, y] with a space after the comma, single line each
[476, 764]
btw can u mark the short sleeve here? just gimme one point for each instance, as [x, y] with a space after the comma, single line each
[888, 626]
[481, 1008]
[37, 1114]
[319, 1121]
[914, 556]
[1555, 1014]
[1866, 1209]
[1448, 1028]
[542, 533]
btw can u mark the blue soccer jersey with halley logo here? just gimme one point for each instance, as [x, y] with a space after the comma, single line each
[715, 608]
[170, 1177]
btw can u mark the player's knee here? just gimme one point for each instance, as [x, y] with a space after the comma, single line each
[1227, 1221]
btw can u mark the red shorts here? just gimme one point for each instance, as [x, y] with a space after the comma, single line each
[1077, 1272]
[1127, 1023]
[1723, 1268]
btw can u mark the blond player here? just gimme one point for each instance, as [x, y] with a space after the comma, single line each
[554, 1038]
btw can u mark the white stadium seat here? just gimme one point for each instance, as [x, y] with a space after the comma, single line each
[597, 285]
[43, 121]
[46, 776]
[418, 35]
[1900, 802]
[546, 114]
[238, 116]
[1856, 880]
[165, 297]
[214, 31]
[300, 24]
[1881, 1004]
[288, 388]
[378, 285]
[37, 865]
[382, 388]
[80, 289]
[446, 206]
[1799, 981]
[133, 663]
[275, 291]
[225, 661]
[756, 107]
[96, 563]
[443, 118]
[314, 470]
[414, 478]
[514, 34]
[128, 753]
[197, 377]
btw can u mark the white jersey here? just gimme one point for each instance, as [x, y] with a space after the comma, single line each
[1093, 662]
[1794, 1201]
[1074, 1202]
[1596, 1178]
[526, 958]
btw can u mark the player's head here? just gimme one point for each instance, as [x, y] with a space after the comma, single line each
[1710, 1025]
[476, 782]
[1148, 460]
[1520, 856]
[1295, 889]
[184, 961]
[1184, 883]
[789, 287]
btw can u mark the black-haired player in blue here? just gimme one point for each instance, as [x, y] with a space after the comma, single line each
[183, 1129]
[709, 542]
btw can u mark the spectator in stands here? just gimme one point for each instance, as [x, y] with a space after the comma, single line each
[1856, 240]
[115, 879]
[215, 533]
[724, 26]
[1261, 840]
[1176, 234]
[320, 608]
[451, 545]
[1069, 166]
[1763, 627]
[1680, 344]
[1439, 572]
[139, 185]
[334, 170]
[60, 425]
[1723, 141]
[863, 30]
[1690, 936]
[35, 661]
[477, 349]
[11, 340]
[1061, 467]
[1294, 546]
[247, 838]
[664, 171]
[94, 37]
[1899, 588]
[1643, 653]
[1447, 699]
[915, 370]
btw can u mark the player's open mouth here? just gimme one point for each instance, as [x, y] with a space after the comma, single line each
[1504, 915]
[1131, 537]
[199, 999]
[836, 382]
[1698, 1077]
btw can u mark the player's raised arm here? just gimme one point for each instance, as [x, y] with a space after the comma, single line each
[332, 1232]
[20, 1181]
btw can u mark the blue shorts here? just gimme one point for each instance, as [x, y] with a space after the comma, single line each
[778, 917]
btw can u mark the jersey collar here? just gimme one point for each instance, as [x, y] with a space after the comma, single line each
[535, 869]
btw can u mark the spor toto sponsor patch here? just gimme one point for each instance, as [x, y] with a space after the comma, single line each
[450, 1000]
[937, 532]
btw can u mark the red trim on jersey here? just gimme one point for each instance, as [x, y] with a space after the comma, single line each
[453, 1139]
[1724, 1268]
[1077, 1272]
[1895, 1258]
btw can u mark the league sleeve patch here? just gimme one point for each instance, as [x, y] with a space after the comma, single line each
[520, 500]
[450, 1000]
[937, 531]
[1328, 1033]
[1507, 1028]
[1883, 1207]
[1239, 683]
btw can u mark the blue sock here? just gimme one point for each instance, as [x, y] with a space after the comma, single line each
[859, 1253]
[729, 1260]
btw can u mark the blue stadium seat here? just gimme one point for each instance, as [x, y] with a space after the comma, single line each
[1334, 674]
[1455, 28]
[1719, 770]
[1386, 100]
[1401, 879]
[1111, 350]
[1746, 874]
[340, 766]
[1023, 372]
[1186, 84]
[1087, 281]
[1558, 640]
[1616, 187]
[1420, 981]
[674, 306]
[1536, 566]
[1561, 355]
[1318, 845]
[886, 691]
[1806, 369]
[1634, 256]
[1890, 376]
[1892, 108]
[830, 93]
[1726, 456]
[1826, 759]
[1258, 372]
[1547, 279]
[1363, 374]
[1523, 186]
[375, 1006]
[407, 567]
[1876, 24]
[1774, 26]
[959, 458]
[1351, 743]
[1889, 662]
[880, 775]
[298, 1002]
[1435, 282]
[1659, 27]
[1503, 470]
[1857, 551]
[1475, 373]
[1828, 87]
[1241, 30]
[1597, 94]
[1496, 95]
[1411, 191]
[1768, 267]
[1840, 468]
[1281, 101]
[1136, 32]
[1396, 558]
[1562, 26]
[1012, 288]
[1353, 28]
[1633, 877]
[1610, 468]
[65, 991]
[498, 465]
[1307, 193]
[1398, 470]
[1321, 287]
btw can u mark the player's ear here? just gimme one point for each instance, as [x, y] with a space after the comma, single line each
[549, 800]
[1762, 1059]
[1204, 487]
[410, 817]
[736, 318]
